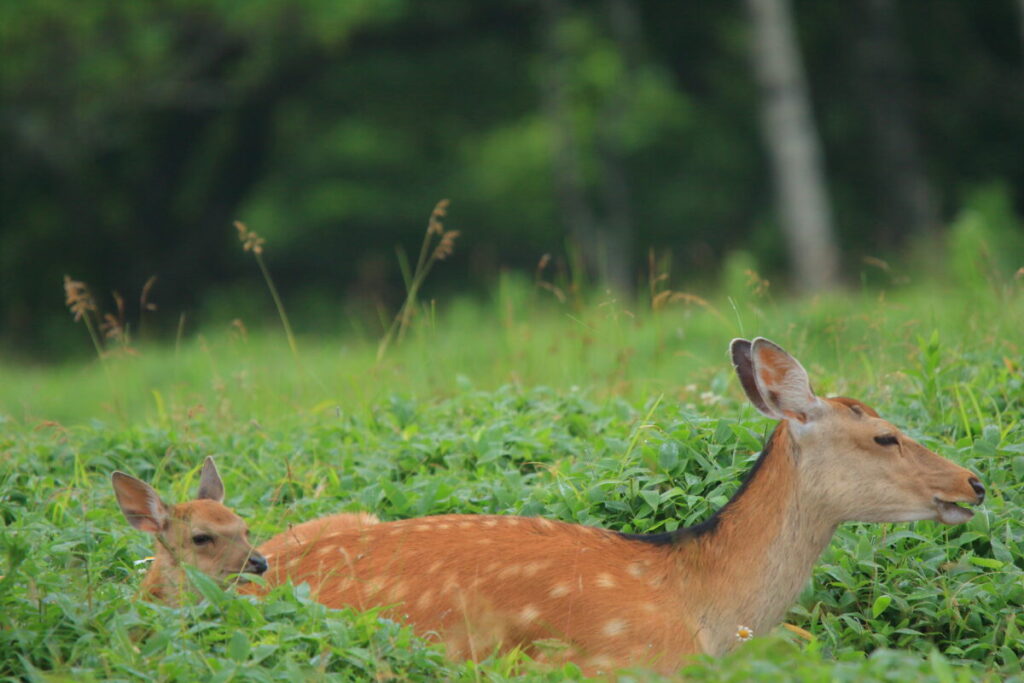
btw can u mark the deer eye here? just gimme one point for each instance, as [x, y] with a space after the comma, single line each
[887, 440]
[202, 539]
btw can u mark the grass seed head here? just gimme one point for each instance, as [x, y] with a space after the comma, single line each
[446, 246]
[249, 239]
[77, 298]
[435, 225]
[113, 326]
[144, 303]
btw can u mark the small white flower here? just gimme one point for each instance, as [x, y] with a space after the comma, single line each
[744, 633]
[710, 397]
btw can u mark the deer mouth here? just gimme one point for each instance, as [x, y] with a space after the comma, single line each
[951, 513]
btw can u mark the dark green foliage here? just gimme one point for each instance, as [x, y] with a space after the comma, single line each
[135, 133]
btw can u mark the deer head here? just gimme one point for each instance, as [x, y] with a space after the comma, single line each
[855, 464]
[203, 532]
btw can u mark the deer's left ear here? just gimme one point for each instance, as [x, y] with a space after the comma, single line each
[210, 485]
[782, 382]
[739, 349]
[140, 504]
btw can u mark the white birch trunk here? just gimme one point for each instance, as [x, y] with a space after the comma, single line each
[793, 147]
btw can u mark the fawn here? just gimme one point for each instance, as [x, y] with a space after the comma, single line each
[483, 584]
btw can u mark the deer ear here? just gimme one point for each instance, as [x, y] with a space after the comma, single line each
[740, 351]
[140, 504]
[210, 485]
[782, 382]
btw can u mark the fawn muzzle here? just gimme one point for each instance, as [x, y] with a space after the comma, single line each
[979, 489]
[257, 564]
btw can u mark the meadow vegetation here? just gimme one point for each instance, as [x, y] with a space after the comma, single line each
[592, 410]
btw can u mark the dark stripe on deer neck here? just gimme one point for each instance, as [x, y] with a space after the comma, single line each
[778, 436]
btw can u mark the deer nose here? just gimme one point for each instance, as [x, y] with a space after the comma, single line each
[257, 564]
[978, 487]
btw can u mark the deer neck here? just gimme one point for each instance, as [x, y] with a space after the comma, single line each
[759, 553]
[165, 579]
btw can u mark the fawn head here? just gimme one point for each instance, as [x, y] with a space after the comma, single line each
[203, 532]
[855, 464]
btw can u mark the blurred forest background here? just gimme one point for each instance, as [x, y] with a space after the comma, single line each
[821, 144]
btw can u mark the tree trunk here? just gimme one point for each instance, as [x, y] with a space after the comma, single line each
[570, 187]
[793, 146]
[616, 233]
[1020, 4]
[907, 205]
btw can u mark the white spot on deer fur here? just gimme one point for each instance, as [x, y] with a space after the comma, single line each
[465, 525]
[531, 568]
[512, 521]
[605, 580]
[483, 540]
[444, 525]
[601, 663]
[649, 607]
[425, 599]
[398, 591]
[434, 566]
[636, 570]
[509, 571]
[614, 627]
[546, 523]
[324, 550]
[528, 613]
[491, 523]
[559, 590]
[422, 527]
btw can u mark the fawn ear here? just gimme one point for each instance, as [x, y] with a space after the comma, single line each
[782, 383]
[140, 504]
[210, 485]
[740, 351]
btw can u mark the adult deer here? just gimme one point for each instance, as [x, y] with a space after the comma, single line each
[604, 599]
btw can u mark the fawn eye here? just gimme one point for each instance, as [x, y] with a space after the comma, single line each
[887, 440]
[202, 539]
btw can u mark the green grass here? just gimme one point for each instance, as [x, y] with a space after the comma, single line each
[605, 414]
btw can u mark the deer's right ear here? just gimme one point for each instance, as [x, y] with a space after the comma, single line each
[783, 383]
[140, 504]
[740, 350]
